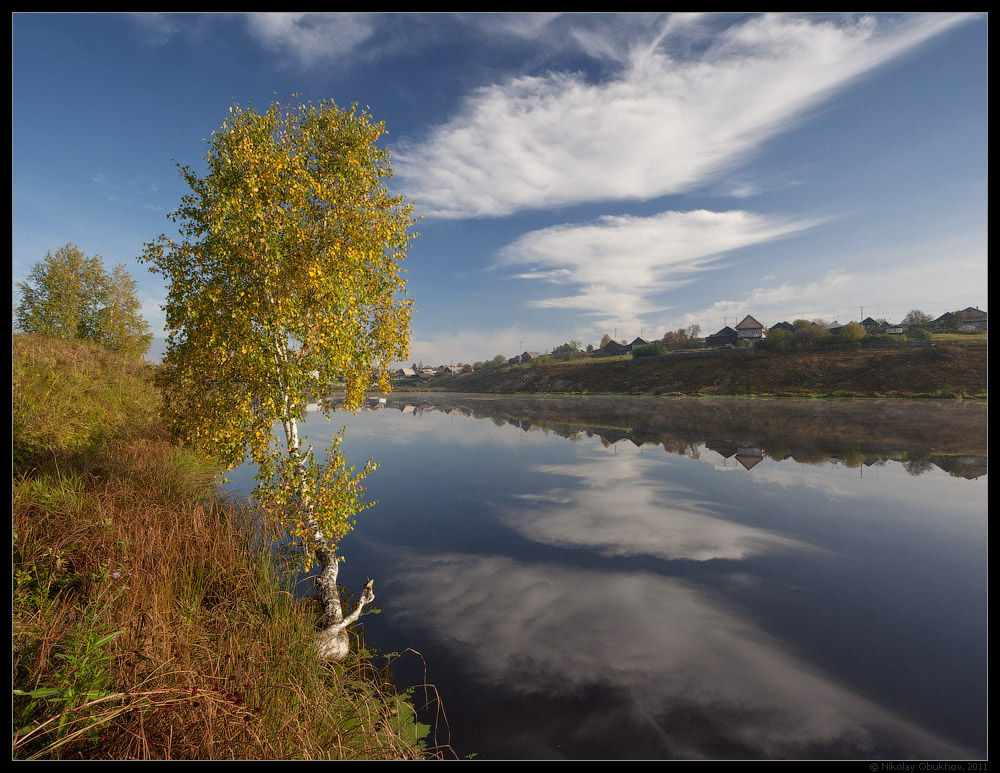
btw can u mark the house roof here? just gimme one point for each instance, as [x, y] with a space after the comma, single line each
[749, 323]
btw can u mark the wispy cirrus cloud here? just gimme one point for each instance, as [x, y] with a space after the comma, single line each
[157, 29]
[617, 268]
[669, 119]
[311, 37]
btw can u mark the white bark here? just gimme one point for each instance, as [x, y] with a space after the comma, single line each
[332, 641]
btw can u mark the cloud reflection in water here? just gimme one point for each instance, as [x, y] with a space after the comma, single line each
[668, 657]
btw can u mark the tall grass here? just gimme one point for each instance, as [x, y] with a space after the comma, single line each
[149, 622]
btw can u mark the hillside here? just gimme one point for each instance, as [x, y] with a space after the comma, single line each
[942, 370]
[149, 620]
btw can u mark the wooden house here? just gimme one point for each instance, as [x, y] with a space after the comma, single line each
[750, 330]
[972, 319]
[613, 348]
[725, 337]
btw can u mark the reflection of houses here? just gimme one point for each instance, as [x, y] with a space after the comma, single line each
[725, 337]
[968, 467]
[749, 456]
[724, 448]
[750, 330]
[611, 436]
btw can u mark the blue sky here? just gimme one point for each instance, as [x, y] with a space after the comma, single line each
[578, 174]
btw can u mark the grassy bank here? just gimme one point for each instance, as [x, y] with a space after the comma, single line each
[947, 369]
[148, 620]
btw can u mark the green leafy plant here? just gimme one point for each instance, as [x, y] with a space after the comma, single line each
[82, 679]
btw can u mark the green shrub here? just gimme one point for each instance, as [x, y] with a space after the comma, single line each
[650, 350]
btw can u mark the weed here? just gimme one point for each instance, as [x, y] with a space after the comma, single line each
[150, 621]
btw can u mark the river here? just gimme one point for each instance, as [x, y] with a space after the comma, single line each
[679, 578]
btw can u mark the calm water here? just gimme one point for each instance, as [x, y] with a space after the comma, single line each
[681, 579]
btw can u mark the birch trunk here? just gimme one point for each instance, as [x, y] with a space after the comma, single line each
[333, 643]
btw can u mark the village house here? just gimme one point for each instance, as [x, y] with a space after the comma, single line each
[725, 337]
[750, 330]
[614, 348]
[972, 319]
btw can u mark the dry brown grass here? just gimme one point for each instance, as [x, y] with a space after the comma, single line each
[149, 619]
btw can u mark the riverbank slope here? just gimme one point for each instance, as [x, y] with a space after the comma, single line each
[149, 620]
[941, 370]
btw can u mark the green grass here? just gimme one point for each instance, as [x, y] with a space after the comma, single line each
[979, 338]
[149, 620]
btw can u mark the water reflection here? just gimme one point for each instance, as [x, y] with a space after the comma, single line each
[671, 660]
[921, 435]
[619, 506]
[683, 579]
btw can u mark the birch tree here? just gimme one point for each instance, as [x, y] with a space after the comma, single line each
[70, 295]
[285, 281]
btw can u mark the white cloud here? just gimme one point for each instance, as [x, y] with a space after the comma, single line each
[883, 289]
[526, 26]
[311, 37]
[617, 266]
[678, 651]
[157, 29]
[470, 345]
[662, 124]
